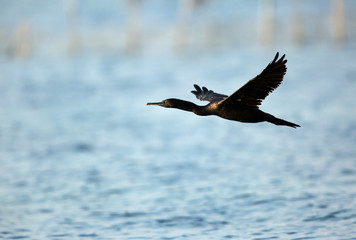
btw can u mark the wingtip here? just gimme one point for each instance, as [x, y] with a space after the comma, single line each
[283, 56]
[281, 59]
[275, 57]
[197, 87]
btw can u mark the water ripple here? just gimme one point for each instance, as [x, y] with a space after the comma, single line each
[179, 221]
[19, 237]
[88, 235]
[330, 216]
[126, 215]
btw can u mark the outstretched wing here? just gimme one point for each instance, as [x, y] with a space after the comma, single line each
[254, 91]
[204, 94]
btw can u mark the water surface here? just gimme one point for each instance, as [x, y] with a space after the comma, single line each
[83, 157]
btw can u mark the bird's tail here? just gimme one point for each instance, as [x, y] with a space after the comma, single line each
[278, 121]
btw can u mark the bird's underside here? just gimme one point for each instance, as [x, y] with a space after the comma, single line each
[243, 104]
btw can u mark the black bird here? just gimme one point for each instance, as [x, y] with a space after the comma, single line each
[243, 104]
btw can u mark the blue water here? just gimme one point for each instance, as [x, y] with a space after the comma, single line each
[83, 157]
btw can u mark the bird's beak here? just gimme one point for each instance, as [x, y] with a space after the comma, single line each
[156, 103]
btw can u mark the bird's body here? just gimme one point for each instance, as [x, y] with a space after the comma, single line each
[242, 105]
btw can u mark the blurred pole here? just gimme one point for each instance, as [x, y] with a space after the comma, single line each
[266, 22]
[297, 14]
[184, 15]
[338, 23]
[71, 9]
[211, 28]
[133, 28]
[23, 40]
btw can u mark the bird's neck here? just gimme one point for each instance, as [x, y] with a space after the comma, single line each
[185, 105]
[192, 107]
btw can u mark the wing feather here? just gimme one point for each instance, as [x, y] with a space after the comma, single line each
[257, 89]
[205, 94]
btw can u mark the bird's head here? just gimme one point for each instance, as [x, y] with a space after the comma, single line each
[168, 103]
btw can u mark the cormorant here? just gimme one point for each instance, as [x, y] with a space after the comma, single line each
[243, 104]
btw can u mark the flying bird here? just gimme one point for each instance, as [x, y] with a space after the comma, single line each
[243, 104]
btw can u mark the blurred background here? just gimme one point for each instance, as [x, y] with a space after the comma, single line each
[68, 27]
[82, 156]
